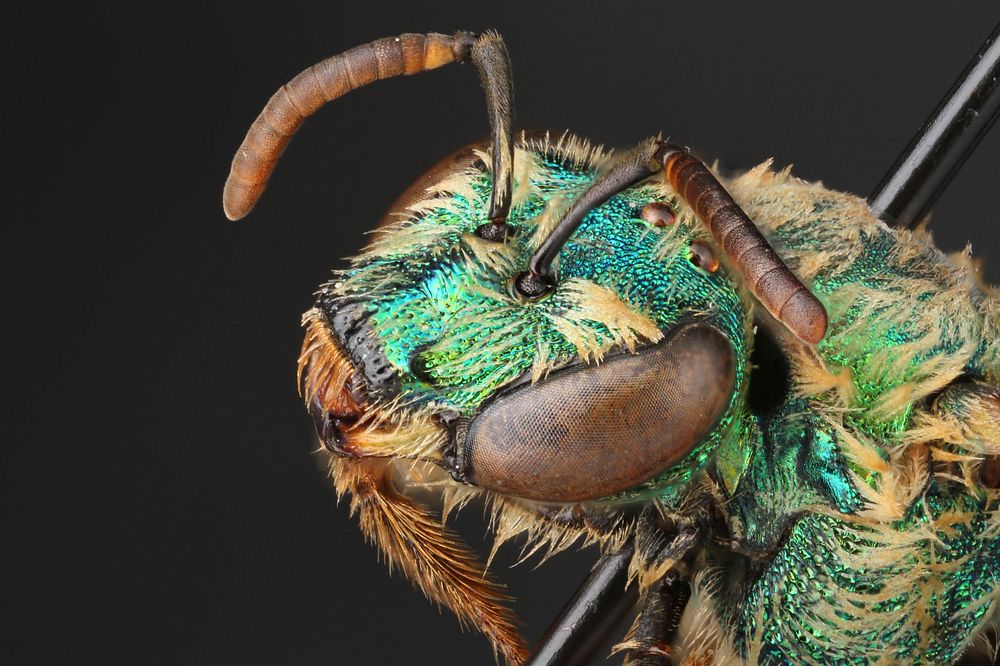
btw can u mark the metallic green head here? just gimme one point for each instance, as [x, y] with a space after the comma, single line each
[620, 383]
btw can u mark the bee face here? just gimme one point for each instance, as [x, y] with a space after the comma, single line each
[423, 350]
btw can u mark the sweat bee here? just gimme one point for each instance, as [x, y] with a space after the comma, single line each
[785, 409]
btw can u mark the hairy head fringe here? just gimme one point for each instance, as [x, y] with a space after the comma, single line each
[624, 325]
[547, 536]
[322, 370]
[568, 148]
[431, 556]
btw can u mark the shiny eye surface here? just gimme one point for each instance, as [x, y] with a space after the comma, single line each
[587, 432]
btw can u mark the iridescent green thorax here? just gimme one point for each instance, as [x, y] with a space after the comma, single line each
[837, 593]
[904, 319]
[875, 552]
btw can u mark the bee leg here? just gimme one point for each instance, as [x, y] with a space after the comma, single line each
[662, 546]
[655, 628]
[412, 539]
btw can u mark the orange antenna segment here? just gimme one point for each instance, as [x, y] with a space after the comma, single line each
[769, 279]
[325, 81]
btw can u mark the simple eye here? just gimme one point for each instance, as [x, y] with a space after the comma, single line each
[590, 432]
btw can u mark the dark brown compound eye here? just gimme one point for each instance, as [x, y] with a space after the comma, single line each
[588, 432]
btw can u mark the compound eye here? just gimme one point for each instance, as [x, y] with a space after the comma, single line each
[589, 432]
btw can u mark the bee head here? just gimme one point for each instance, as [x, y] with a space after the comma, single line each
[620, 382]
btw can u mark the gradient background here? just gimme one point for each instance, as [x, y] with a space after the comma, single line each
[164, 504]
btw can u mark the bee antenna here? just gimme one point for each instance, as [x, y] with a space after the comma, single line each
[384, 58]
[769, 279]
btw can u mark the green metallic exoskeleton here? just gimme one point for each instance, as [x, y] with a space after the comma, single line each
[821, 503]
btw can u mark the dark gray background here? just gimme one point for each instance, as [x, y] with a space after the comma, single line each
[165, 506]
